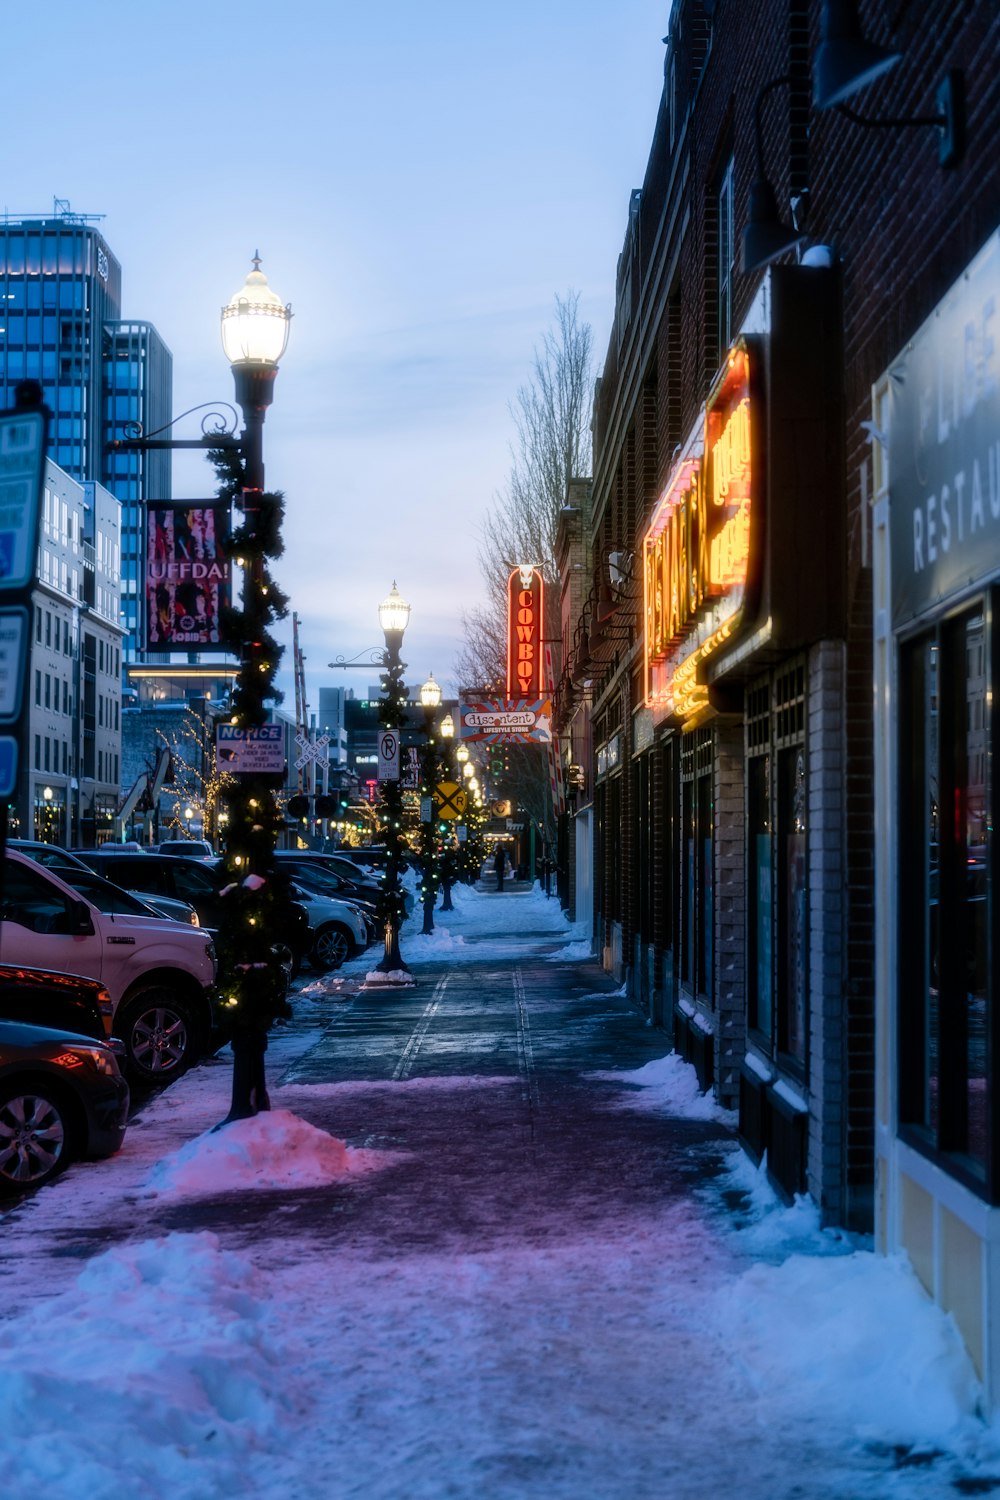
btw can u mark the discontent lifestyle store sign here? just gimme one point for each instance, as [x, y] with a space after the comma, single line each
[944, 445]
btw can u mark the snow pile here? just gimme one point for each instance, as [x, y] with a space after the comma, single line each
[437, 944]
[275, 1149]
[572, 953]
[667, 1085]
[155, 1364]
[857, 1338]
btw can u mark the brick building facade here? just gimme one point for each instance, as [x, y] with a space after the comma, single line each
[724, 652]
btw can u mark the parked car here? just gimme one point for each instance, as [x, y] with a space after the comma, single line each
[79, 875]
[196, 881]
[62, 1096]
[186, 848]
[53, 856]
[160, 974]
[371, 856]
[339, 930]
[67, 1002]
[357, 883]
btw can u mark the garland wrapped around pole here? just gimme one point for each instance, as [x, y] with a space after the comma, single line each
[252, 975]
[391, 908]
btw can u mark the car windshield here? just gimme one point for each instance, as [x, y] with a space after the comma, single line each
[316, 877]
[49, 855]
[108, 898]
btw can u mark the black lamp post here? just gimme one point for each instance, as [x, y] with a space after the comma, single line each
[254, 335]
[393, 614]
[448, 858]
[430, 700]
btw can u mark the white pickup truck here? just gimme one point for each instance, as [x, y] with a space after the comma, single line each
[159, 973]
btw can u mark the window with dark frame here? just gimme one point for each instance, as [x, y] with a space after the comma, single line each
[946, 1041]
[760, 865]
[777, 865]
[726, 259]
[697, 916]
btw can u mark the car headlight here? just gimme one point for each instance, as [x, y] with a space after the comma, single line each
[194, 918]
[101, 1059]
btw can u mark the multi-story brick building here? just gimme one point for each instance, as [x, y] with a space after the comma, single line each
[779, 258]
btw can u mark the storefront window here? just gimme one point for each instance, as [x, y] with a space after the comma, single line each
[760, 891]
[697, 841]
[793, 977]
[944, 855]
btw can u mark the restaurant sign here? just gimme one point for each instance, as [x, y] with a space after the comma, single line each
[944, 445]
[696, 552]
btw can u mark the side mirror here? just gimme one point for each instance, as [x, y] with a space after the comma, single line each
[80, 924]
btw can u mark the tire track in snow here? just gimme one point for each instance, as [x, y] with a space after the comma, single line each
[525, 1057]
[409, 1053]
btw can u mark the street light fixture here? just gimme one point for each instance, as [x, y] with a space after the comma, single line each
[254, 329]
[393, 615]
[254, 336]
[430, 700]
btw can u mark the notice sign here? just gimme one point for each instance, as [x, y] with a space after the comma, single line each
[22, 454]
[246, 752]
[508, 721]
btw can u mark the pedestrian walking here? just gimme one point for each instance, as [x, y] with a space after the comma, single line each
[500, 865]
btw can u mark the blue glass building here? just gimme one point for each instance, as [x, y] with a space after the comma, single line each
[61, 324]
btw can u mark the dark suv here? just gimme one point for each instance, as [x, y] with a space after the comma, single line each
[195, 882]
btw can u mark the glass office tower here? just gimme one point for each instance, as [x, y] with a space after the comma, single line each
[61, 324]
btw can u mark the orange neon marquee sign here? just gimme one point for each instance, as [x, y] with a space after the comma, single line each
[524, 633]
[696, 551]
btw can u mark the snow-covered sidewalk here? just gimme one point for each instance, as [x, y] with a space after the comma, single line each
[687, 1345]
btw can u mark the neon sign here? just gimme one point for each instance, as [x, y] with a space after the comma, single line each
[524, 633]
[696, 551]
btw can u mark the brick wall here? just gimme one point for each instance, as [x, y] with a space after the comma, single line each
[730, 909]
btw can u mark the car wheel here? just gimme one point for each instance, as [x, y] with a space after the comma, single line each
[34, 1137]
[158, 1036]
[332, 946]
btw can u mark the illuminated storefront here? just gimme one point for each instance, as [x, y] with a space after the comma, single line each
[743, 679]
[937, 653]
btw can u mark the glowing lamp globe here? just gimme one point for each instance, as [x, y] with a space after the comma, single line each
[255, 322]
[393, 613]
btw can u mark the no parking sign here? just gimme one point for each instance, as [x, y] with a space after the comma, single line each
[388, 755]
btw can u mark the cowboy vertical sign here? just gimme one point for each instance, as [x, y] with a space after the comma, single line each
[524, 633]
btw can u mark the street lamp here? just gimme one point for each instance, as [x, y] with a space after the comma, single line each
[448, 868]
[393, 615]
[430, 700]
[254, 336]
[462, 753]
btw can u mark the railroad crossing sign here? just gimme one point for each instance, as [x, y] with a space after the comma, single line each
[450, 800]
[316, 750]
